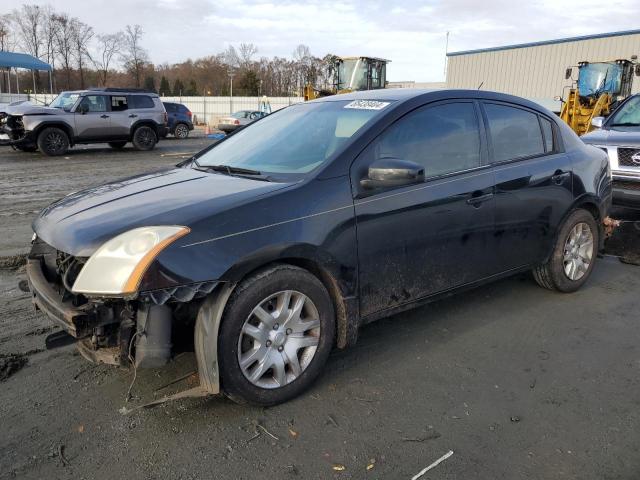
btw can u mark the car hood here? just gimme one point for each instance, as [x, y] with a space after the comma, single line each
[82, 221]
[27, 108]
[626, 138]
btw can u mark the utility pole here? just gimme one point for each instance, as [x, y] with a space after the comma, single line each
[231, 75]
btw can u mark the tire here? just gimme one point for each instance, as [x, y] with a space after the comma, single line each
[567, 269]
[53, 142]
[181, 131]
[311, 346]
[117, 145]
[144, 138]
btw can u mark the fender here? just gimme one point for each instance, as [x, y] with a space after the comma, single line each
[59, 124]
[149, 123]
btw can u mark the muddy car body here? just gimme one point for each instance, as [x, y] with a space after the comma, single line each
[297, 241]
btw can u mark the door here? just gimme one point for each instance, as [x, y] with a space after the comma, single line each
[418, 240]
[120, 116]
[92, 118]
[533, 183]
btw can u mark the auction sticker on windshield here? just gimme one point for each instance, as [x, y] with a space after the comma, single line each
[367, 105]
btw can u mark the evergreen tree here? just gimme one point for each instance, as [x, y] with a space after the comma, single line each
[165, 88]
[178, 88]
[149, 83]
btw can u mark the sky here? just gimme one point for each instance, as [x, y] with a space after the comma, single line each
[412, 34]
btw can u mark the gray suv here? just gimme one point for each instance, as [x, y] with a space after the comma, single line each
[101, 115]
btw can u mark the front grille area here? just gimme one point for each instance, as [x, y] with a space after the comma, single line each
[625, 157]
[626, 185]
[59, 268]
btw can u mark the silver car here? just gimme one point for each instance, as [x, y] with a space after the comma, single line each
[239, 119]
[107, 115]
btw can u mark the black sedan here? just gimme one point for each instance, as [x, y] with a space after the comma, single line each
[277, 243]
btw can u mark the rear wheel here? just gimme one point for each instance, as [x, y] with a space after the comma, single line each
[573, 256]
[275, 337]
[144, 138]
[53, 141]
[117, 145]
[181, 131]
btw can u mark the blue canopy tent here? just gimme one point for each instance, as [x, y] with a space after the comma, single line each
[15, 60]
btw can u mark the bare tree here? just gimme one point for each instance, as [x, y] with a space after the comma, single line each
[49, 34]
[231, 57]
[134, 55]
[6, 34]
[246, 53]
[29, 20]
[65, 32]
[82, 35]
[109, 47]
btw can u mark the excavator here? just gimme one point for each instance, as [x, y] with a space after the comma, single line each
[598, 90]
[351, 74]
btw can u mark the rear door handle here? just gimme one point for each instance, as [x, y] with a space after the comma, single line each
[104, 116]
[559, 177]
[478, 199]
[133, 115]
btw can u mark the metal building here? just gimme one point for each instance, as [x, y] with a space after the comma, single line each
[537, 70]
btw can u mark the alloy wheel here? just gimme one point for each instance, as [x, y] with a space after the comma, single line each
[578, 251]
[279, 339]
[181, 131]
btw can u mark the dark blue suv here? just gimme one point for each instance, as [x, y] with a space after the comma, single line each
[180, 120]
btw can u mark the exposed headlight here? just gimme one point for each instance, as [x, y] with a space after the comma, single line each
[117, 267]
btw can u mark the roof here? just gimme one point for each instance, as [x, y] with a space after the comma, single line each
[22, 60]
[546, 42]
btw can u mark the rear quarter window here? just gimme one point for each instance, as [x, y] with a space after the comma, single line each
[514, 132]
[141, 101]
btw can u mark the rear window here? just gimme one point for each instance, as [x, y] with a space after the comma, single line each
[140, 101]
[170, 107]
[118, 104]
[514, 132]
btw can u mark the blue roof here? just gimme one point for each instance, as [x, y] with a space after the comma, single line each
[546, 42]
[22, 60]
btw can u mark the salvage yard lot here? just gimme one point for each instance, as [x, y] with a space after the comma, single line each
[519, 382]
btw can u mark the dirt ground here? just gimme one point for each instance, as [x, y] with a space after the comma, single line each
[517, 381]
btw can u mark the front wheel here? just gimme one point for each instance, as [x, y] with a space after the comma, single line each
[53, 141]
[275, 337]
[573, 256]
[144, 138]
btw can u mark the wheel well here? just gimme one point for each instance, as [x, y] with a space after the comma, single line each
[144, 123]
[592, 209]
[62, 126]
[343, 316]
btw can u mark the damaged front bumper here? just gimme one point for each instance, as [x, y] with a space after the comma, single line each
[119, 331]
[13, 132]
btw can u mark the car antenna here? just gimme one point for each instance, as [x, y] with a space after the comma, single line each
[480, 86]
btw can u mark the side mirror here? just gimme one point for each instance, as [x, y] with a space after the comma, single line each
[597, 122]
[637, 70]
[392, 172]
[567, 73]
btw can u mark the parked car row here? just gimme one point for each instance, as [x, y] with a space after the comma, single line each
[99, 115]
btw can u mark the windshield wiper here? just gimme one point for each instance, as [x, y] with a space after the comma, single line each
[230, 170]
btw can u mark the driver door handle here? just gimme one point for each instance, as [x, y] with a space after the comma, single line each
[478, 199]
[559, 177]
[104, 116]
[133, 115]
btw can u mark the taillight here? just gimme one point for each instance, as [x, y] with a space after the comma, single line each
[189, 114]
[236, 122]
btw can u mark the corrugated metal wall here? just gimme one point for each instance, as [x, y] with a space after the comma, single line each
[536, 72]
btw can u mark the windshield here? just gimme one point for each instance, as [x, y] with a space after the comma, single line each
[64, 101]
[294, 140]
[596, 78]
[628, 115]
[352, 74]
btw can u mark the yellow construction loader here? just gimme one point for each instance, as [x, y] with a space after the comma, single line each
[352, 74]
[599, 88]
